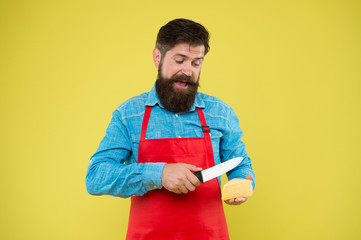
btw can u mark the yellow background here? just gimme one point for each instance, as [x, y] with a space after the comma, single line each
[290, 69]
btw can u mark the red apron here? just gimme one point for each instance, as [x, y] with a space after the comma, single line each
[161, 214]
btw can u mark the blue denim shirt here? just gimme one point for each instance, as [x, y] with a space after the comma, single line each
[114, 168]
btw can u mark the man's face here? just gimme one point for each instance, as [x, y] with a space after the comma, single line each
[178, 77]
[182, 59]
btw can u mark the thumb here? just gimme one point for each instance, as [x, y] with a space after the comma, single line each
[193, 168]
[249, 177]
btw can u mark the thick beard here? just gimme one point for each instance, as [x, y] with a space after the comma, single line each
[172, 98]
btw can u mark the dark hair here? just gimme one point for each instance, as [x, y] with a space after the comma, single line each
[182, 31]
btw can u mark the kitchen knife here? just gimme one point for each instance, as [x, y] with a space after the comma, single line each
[217, 170]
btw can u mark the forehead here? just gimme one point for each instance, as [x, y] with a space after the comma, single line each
[184, 49]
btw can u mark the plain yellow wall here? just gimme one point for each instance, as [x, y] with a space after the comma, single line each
[290, 69]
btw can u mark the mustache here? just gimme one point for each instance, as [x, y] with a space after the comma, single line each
[183, 78]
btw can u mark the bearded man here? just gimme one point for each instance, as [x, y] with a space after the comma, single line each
[157, 140]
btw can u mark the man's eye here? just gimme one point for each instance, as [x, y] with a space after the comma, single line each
[179, 61]
[196, 64]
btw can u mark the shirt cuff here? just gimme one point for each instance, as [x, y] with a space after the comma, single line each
[152, 175]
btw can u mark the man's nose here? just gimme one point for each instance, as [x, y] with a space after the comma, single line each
[187, 69]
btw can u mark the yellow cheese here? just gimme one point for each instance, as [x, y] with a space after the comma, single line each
[237, 188]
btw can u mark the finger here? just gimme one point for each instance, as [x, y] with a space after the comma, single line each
[189, 186]
[183, 189]
[193, 168]
[240, 200]
[235, 201]
[193, 179]
[229, 201]
[249, 177]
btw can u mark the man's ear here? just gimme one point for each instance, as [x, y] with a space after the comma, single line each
[156, 57]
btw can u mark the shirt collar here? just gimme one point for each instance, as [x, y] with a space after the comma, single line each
[153, 100]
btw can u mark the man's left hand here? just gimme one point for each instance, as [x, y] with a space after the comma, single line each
[238, 201]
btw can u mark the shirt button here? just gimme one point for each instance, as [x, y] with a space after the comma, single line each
[179, 136]
[154, 186]
[176, 115]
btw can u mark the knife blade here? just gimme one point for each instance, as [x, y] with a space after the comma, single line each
[217, 170]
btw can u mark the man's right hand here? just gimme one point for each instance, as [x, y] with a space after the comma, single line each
[179, 177]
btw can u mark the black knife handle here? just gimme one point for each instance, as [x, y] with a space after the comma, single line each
[199, 175]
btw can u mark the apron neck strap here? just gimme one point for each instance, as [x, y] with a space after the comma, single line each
[148, 109]
[205, 127]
